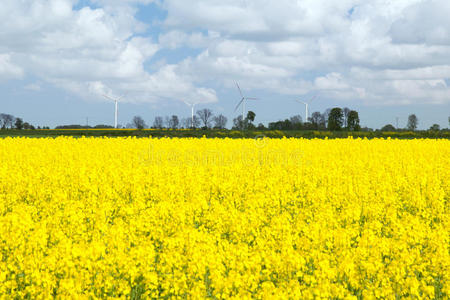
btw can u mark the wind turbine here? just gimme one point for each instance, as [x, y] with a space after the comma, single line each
[307, 106]
[116, 100]
[243, 99]
[192, 105]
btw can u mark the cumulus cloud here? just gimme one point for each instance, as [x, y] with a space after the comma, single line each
[175, 39]
[261, 19]
[88, 51]
[372, 51]
[375, 52]
[426, 22]
[8, 69]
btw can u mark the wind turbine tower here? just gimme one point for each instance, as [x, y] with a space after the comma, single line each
[116, 111]
[243, 100]
[307, 107]
[192, 105]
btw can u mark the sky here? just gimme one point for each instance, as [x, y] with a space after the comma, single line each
[384, 58]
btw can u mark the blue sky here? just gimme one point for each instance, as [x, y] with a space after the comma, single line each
[386, 60]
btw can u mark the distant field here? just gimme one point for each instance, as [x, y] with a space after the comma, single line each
[220, 133]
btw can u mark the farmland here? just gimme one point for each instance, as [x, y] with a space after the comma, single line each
[222, 218]
[222, 133]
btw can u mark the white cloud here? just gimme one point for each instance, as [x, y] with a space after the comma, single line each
[87, 51]
[8, 69]
[425, 22]
[266, 19]
[372, 51]
[271, 45]
[176, 39]
[332, 81]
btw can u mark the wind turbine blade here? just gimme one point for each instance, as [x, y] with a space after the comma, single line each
[313, 98]
[239, 104]
[300, 101]
[121, 97]
[252, 98]
[187, 103]
[239, 88]
[108, 97]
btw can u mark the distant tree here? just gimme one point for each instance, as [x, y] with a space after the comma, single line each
[326, 114]
[103, 126]
[346, 112]
[2, 121]
[185, 123]
[74, 126]
[413, 121]
[251, 116]
[297, 119]
[27, 126]
[335, 119]
[197, 122]
[138, 122]
[166, 122]
[18, 124]
[10, 121]
[296, 122]
[158, 123]
[315, 117]
[261, 126]
[309, 126]
[353, 121]
[174, 122]
[317, 120]
[205, 116]
[238, 123]
[6, 121]
[435, 127]
[248, 121]
[281, 125]
[275, 125]
[388, 128]
[220, 121]
[250, 126]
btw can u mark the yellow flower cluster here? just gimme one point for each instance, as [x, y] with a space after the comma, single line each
[223, 218]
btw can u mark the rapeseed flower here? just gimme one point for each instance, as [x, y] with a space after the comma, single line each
[226, 218]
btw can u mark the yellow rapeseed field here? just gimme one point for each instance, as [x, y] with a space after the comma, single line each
[222, 218]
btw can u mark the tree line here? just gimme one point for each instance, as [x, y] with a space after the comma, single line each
[8, 121]
[203, 119]
[332, 119]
